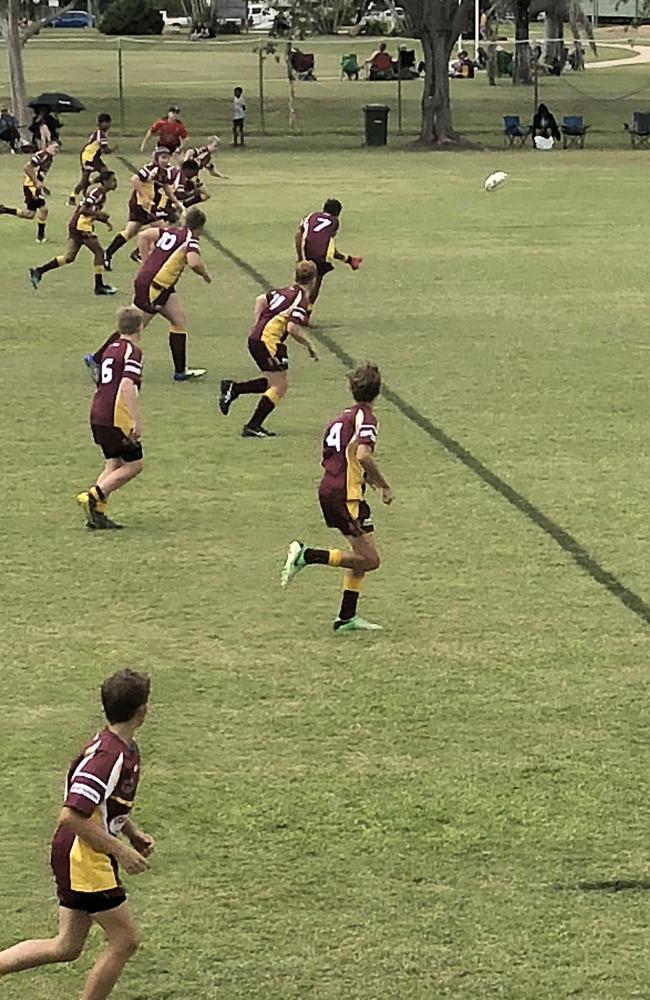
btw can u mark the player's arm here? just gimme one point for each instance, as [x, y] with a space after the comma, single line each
[294, 331]
[373, 472]
[147, 136]
[146, 241]
[298, 242]
[92, 834]
[129, 393]
[217, 173]
[30, 170]
[171, 194]
[353, 262]
[261, 303]
[195, 263]
[138, 186]
[140, 841]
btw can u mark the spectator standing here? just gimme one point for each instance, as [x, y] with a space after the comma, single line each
[238, 116]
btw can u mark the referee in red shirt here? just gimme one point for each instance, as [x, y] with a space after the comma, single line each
[169, 132]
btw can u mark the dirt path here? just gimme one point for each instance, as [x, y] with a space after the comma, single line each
[641, 55]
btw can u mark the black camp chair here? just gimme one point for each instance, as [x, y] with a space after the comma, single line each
[639, 130]
[302, 65]
[574, 131]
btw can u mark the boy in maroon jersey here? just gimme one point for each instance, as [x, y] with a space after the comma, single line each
[115, 418]
[315, 241]
[81, 233]
[281, 313]
[348, 464]
[35, 190]
[91, 156]
[86, 850]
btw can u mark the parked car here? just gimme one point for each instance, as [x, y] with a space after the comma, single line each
[174, 22]
[261, 18]
[74, 19]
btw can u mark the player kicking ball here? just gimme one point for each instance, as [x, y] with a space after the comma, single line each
[115, 419]
[280, 313]
[86, 850]
[348, 464]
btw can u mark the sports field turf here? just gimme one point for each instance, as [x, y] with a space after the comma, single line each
[442, 810]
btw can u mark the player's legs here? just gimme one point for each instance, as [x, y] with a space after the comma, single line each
[20, 213]
[366, 557]
[65, 947]
[42, 221]
[71, 250]
[118, 473]
[95, 247]
[315, 289]
[122, 943]
[129, 231]
[82, 185]
[278, 383]
[124, 462]
[173, 311]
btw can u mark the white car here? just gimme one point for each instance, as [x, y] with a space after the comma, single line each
[174, 23]
[261, 18]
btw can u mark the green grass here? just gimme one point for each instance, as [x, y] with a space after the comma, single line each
[408, 816]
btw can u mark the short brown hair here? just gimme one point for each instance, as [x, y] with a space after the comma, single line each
[195, 218]
[365, 382]
[129, 320]
[305, 272]
[123, 694]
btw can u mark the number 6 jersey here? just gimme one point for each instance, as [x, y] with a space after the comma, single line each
[343, 478]
[120, 360]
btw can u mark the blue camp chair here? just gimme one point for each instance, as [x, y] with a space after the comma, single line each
[639, 130]
[514, 133]
[574, 131]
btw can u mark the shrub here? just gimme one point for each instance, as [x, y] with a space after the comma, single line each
[131, 17]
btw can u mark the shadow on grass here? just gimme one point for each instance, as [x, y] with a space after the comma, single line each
[610, 885]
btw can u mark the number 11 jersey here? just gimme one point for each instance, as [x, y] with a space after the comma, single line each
[343, 476]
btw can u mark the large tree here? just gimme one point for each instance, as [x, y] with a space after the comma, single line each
[15, 36]
[438, 24]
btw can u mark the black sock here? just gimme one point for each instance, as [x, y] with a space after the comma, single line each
[316, 556]
[264, 407]
[50, 266]
[253, 385]
[177, 345]
[117, 243]
[348, 605]
[10, 211]
[97, 356]
[100, 492]
[41, 231]
[99, 280]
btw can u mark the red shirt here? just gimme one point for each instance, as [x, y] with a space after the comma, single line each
[170, 134]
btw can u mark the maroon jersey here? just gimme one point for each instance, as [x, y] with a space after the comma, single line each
[96, 145]
[93, 201]
[120, 360]
[153, 178]
[186, 189]
[343, 476]
[201, 156]
[317, 236]
[41, 162]
[168, 258]
[283, 306]
[101, 784]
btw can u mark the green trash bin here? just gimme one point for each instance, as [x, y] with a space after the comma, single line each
[376, 124]
[504, 62]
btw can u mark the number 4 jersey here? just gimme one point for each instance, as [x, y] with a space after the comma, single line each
[343, 477]
[120, 360]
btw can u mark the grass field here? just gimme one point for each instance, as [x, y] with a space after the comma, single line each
[440, 811]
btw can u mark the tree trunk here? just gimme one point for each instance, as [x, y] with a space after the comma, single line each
[553, 30]
[292, 84]
[521, 75]
[436, 104]
[11, 34]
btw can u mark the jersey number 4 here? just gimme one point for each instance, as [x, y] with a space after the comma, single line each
[333, 439]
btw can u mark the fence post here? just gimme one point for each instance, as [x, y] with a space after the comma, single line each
[120, 84]
[260, 58]
[399, 89]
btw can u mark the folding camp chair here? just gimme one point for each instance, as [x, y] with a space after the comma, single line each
[302, 65]
[350, 66]
[574, 131]
[406, 64]
[639, 130]
[514, 133]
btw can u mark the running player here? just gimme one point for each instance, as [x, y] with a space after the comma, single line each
[115, 418]
[87, 850]
[348, 464]
[169, 132]
[81, 233]
[91, 156]
[203, 157]
[281, 313]
[315, 241]
[35, 190]
[149, 183]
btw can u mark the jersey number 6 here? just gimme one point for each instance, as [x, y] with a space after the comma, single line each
[107, 371]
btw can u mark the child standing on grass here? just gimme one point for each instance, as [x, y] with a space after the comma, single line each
[238, 116]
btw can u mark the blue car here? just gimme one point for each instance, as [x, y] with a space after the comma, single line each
[74, 19]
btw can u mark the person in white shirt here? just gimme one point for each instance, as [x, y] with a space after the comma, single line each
[238, 116]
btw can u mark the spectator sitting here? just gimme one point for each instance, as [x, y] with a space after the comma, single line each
[9, 129]
[544, 124]
[281, 26]
[379, 65]
[461, 68]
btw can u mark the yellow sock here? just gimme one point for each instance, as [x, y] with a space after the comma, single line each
[335, 556]
[101, 505]
[60, 261]
[98, 268]
[124, 236]
[352, 582]
[273, 395]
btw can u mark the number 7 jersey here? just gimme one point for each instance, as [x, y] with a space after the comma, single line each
[317, 232]
[343, 476]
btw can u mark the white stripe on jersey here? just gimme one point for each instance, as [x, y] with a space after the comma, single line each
[86, 792]
[84, 774]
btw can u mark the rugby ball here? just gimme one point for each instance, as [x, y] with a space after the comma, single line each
[496, 180]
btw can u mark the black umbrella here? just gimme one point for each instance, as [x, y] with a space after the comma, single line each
[58, 104]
